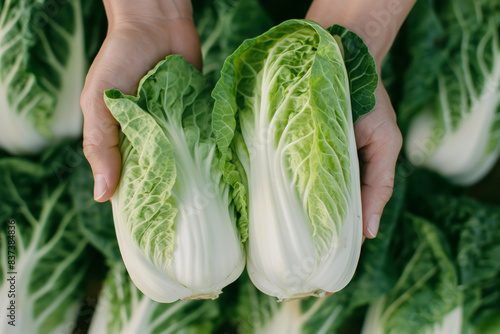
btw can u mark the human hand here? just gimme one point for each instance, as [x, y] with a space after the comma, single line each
[379, 141]
[139, 35]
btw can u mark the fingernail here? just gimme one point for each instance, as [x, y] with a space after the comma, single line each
[373, 224]
[99, 186]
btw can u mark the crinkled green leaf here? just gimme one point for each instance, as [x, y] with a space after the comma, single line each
[426, 291]
[361, 70]
[148, 176]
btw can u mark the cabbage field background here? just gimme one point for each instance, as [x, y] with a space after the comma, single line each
[433, 268]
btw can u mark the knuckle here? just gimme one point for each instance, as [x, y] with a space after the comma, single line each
[386, 190]
[88, 102]
[392, 137]
[84, 99]
[90, 151]
[92, 101]
[397, 138]
[92, 145]
[97, 139]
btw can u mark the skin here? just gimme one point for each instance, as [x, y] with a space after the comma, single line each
[141, 33]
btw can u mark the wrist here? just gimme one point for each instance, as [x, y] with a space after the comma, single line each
[377, 21]
[147, 12]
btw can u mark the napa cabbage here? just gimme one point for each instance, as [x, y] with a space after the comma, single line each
[451, 95]
[174, 214]
[283, 117]
[257, 312]
[444, 254]
[44, 255]
[123, 309]
[45, 47]
[472, 231]
[426, 297]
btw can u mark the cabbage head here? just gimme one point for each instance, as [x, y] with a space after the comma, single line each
[284, 113]
[174, 215]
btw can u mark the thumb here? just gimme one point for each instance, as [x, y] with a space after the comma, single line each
[100, 145]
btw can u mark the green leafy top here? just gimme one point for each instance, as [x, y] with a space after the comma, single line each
[455, 50]
[426, 290]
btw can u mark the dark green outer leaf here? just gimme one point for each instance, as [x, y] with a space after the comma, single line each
[51, 282]
[95, 219]
[473, 231]
[361, 69]
[223, 25]
[427, 288]
[425, 45]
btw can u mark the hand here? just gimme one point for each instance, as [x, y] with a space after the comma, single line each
[139, 35]
[379, 141]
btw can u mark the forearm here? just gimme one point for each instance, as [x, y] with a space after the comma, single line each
[376, 21]
[135, 11]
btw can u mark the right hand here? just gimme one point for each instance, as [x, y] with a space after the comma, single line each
[140, 34]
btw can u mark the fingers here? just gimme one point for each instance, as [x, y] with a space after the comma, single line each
[379, 142]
